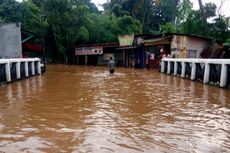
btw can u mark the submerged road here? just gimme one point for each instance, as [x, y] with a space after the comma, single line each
[84, 109]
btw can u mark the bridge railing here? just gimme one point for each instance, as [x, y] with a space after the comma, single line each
[15, 69]
[212, 71]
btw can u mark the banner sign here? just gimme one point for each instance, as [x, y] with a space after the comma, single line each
[89, 50]
[126, 40]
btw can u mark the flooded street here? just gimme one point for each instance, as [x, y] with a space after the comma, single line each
[85, 110]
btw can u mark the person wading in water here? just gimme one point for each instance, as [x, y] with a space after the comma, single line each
[111, 65]
[147, 60]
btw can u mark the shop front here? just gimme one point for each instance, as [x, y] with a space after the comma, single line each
[88, 55]
[158, 48]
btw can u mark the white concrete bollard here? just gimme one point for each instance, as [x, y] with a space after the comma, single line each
[205, 65]
[26, 69]
[206, 73]
[175, 68]
[223, 77]
[33, 68]
[18, 70]
[168, 67]
[39, 67]
[193, 72]
[8, 74]
[183, 70]
[8, 63]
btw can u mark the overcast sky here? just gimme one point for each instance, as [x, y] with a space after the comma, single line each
[225, 9]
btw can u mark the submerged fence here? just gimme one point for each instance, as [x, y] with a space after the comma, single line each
[15, 69]
[211, 71]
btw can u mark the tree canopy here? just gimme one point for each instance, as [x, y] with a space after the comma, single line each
[75, 22]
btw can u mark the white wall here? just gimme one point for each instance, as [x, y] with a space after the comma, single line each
[189, 43]
[10, 40]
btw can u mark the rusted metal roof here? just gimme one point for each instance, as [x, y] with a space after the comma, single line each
[126, 48]
[103, 45]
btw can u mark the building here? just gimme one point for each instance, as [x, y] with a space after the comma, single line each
[129, 52]
[176, 46]
[132, 50]
[31, 44]
[10, 40]
[95, 54]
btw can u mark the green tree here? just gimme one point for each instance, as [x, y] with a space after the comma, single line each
[193, 24]
[105, 28]
[10, 11]
[168, 28]
[77, 22]
[184, 9]
[204, 17]
[128, 25]
[219, 28]
[102, 28]
[30, 16]
[65, 18]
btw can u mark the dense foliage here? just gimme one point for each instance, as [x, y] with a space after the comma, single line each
[68, 23]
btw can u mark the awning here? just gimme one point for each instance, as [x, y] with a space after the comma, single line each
[27, 35]
[126, 48]
[158, 41]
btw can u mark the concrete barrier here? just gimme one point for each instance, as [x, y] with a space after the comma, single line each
[18, 68]
[211, 71]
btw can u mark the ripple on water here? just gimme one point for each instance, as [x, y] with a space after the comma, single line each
[85, 109]
[31, 144]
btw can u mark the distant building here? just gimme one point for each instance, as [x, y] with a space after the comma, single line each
[31, 44]
[10, 40]
[95, 54]
[176, 46]
[130, 52]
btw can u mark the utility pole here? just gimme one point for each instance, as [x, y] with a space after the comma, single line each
[43, 33]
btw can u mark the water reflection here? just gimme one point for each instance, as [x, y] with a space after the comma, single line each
[84, 109]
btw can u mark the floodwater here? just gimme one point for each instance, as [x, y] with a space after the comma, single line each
[86, 110]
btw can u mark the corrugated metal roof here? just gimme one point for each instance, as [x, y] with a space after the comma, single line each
[103, 45]
[180, 34]
[157, 39]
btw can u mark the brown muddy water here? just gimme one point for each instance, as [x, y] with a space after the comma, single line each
[86, 110]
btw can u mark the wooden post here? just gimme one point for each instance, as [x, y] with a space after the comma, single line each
[123, 58]
[162, 66]
[86, 60]
[77, 59]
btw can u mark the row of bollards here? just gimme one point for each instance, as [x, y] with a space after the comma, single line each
[211, 71]
[15, 69]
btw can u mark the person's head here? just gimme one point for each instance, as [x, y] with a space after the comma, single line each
[111, 58]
